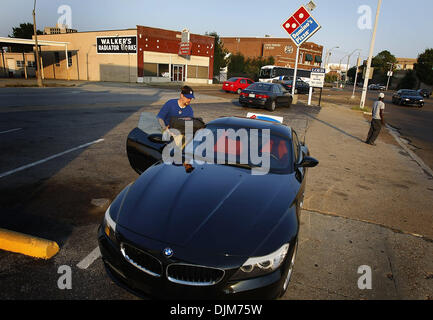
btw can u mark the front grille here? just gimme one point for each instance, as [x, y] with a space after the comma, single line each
[141, 260]
[194, 275]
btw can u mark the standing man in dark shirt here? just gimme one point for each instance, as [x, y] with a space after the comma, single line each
[176, 108]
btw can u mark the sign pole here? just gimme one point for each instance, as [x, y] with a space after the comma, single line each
[310, 93]
[320, 98]
[295, 72]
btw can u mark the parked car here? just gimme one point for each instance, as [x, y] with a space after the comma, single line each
[425, 93]
[267, 95]
[236, 84]
[301, 86]
[408, 97]
[376, 87]
[216, 232]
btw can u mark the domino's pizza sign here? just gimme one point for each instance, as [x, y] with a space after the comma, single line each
[301, 26]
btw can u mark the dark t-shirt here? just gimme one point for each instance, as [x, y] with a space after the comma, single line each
[171, 109]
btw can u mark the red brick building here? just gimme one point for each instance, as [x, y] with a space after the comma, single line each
[158, 54]
[282, 49]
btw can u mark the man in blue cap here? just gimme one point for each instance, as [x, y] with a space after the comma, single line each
[179, 108]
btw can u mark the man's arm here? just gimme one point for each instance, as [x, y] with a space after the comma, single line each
[162, 124]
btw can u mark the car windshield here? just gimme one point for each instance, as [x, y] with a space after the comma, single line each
[258, 86]
[241, 147]
[409, 92]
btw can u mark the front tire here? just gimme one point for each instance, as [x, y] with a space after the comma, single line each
[289, 273]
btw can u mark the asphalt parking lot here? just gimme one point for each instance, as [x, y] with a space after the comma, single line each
[64, 160]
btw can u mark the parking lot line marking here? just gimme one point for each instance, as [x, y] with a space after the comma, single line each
[87, 261]
[2, 175]
[12, 130]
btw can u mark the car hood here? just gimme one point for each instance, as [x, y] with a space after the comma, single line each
[216, 208]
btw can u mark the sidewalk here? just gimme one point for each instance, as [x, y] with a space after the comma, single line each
[363, 205]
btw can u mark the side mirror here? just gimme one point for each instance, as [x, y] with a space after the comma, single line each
[308, 162]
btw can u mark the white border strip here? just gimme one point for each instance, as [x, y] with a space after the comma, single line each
[12, 130]
[47, 159]
[87, 261]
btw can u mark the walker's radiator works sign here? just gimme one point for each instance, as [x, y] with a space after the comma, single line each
[116, 45]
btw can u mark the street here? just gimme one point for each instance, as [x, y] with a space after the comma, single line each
[64, 160]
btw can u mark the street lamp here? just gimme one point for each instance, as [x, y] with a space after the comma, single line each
[347, 68]
[38, 66]
[328, 54]
[340, 71]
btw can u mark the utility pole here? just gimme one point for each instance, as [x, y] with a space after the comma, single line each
[370, 57]
[356, 75]
[38, 66]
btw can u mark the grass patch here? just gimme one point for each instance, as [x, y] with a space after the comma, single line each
[366, 109]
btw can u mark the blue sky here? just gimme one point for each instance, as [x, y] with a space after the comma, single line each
[400, 30]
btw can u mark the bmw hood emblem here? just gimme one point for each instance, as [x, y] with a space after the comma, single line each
[168, 252]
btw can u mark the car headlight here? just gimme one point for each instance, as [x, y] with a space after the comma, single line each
[259, 266]
[109, 226]
[406, 99]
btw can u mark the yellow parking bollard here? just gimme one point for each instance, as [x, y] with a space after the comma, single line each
[27, 245]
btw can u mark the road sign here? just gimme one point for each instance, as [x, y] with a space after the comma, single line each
[317, 78]
[390, 73]
[301, 26]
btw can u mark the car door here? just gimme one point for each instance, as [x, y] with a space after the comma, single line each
[144, 144]
[243, 84]
[285, 95]
[278, 94]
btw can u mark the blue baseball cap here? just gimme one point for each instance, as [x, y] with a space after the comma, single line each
[187, 92]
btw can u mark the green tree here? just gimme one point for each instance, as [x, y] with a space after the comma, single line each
[424, 67]
[352, 73]
[381, 65]
[219, 54]
[239, 66]
[409, 81]
[24, 31]
[236, 65]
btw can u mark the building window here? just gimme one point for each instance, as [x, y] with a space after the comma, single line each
[150, 69]
[31, 64]
[20, 64]
[163, 70]
[308, 57]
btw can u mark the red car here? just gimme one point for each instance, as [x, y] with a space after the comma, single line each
[236, 84]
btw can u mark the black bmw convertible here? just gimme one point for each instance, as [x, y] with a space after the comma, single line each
[209, 230]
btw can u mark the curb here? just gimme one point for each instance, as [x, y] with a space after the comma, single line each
[27, 245]
[417, 159]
